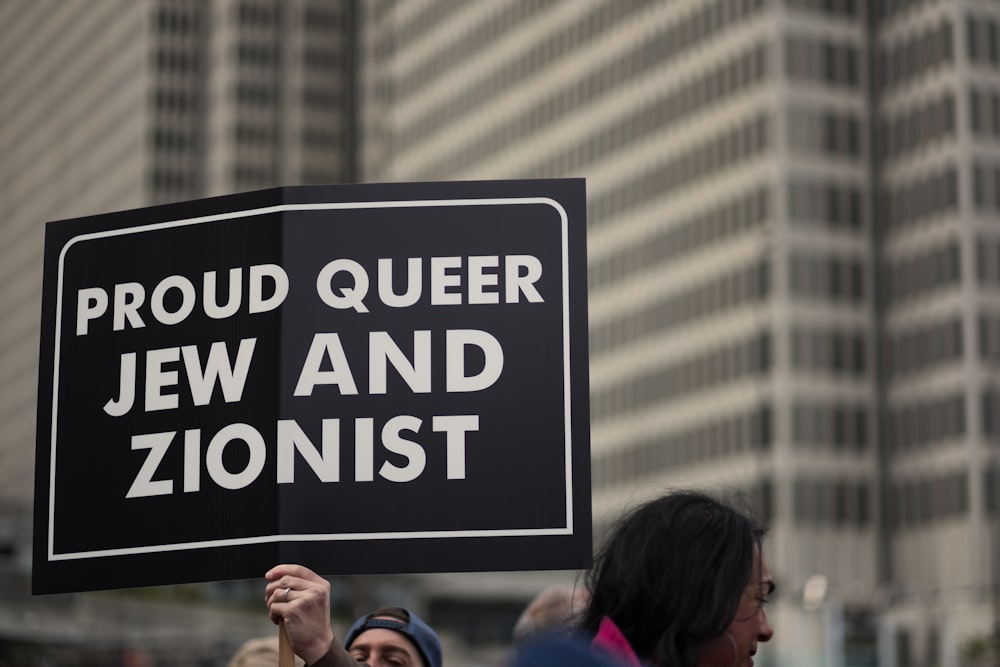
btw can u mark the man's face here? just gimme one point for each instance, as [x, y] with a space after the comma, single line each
[381, 647]
[737, 645]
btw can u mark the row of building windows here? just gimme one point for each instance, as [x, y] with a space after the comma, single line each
[257, 13]
[986, 187]
[323, 174]
[257, 54]
[598, 84]
[924, 423]
[727, 150]
[885, 9]
[175, 139]
[420, 22]
[837, 8]
[743, 286]
[326, 17]
[922, 274]
[737, 216]
[828, 352]
[917, 56]
[990, 404]
[917, 127]
[176, 101]
[991, 489]
[251, 176]
[922, 348]
[825, 133]
[329, 96]
[559, 45]
[327, 137]
[824, 61]
[835, 427]
[839, 503]
[257, 93]
[831, 205]
[988, 262]
[981, 40]
[728, 80]
[755, 499]
[168, 183]
[180, 19]
[324, 57]
[822, 276]
[916, 503]
[177, 60]
[500, 23]
[247, 133]
[921, 200]
[727, 363]
[989, 337]
[984, 112]
[712, 88]
[723, 437]
[760, 499]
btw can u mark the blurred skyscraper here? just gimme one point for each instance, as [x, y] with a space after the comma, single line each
[793, 266]
[117, 104]
[794, 250]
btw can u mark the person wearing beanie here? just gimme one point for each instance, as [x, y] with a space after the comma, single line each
[387, 637]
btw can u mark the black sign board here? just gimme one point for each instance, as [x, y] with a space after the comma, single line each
[359, 378]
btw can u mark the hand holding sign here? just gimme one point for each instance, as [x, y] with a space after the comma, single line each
[300, 598]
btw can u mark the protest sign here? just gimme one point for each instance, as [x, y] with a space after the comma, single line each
[361, 378]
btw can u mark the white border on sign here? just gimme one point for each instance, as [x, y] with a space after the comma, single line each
[332, 537]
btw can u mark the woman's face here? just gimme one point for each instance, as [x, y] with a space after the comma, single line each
[736, 646]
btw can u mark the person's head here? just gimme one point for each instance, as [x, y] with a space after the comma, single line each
[554, 609]
[684, 578]
[259, 652]
[393, 637]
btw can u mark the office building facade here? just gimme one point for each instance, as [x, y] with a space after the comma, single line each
[113, 105]
[791, 255]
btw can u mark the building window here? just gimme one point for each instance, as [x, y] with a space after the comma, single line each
[824, 133]
[921, 348]
[923, 199]
[919, 275]
[835, 279]
[750, 138]
[741, 215]
[826, 62]
[737, 289]
[700, 443]
[731, 362]
[924, 423]
[914, 57]
[836, 206]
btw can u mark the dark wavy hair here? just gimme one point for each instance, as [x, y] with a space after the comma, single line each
[672, 573]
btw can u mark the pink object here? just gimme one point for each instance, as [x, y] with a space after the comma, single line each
[610, 640]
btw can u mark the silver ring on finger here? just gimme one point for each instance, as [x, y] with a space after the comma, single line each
[284, 596]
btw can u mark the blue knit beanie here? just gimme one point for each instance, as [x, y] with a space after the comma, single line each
[418, 632]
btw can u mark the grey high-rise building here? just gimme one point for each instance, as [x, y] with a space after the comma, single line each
[793, 265]
[118, 104]
[794, 250]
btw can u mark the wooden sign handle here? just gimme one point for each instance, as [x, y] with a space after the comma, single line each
[285, 656]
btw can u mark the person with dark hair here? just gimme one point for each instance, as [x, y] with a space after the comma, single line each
[681, 582]
[387, 637]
